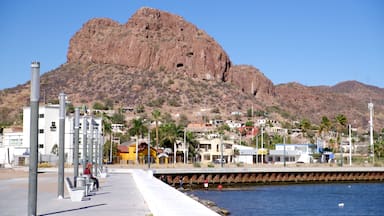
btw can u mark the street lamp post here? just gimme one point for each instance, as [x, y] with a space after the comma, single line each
[60, 190]
[262, 145]
[34, 139]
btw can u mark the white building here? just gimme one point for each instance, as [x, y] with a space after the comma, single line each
[12, 145]
[246, 154]
[49, 133]
[210, 150]
[292, 152]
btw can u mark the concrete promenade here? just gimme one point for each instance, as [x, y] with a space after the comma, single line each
[124, 192]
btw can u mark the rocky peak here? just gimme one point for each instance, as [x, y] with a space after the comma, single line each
[251, 80]
[151, 40]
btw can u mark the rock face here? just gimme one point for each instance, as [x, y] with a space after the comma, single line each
[151, 40]
[251, 80]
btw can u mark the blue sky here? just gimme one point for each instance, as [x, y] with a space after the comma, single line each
[319, 42]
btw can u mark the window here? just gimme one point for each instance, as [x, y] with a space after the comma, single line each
[41, 115]
[41, 145]
[41, 130]
[207, 157]
[53, 126]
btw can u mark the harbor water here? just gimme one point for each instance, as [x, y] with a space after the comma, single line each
[312, 199]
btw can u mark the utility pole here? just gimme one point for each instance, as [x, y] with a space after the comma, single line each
[76, 144]
[34, 139]
[60, 189]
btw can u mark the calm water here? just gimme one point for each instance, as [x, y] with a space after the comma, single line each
[318, 199]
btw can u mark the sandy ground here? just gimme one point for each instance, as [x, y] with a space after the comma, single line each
[6, 173]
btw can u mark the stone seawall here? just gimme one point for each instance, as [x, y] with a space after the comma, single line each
[214, 177]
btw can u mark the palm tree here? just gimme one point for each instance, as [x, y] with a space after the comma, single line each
[170, 132]
[138, 127]
[107, 129]
[193, 144]
[341, 123]
[305, 125]
[156, 116]
[325, 125]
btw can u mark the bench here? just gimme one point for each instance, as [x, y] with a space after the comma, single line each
[89, 183]
[102, 174]
[76, 194]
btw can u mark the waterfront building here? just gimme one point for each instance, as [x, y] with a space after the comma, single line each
[49, 133]
[293, 153]
[244, 154]
[210, 150]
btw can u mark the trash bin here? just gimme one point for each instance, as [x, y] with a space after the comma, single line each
[80, 181]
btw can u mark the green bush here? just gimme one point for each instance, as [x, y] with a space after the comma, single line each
[197, 165]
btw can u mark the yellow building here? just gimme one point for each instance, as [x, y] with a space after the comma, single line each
[128, 153]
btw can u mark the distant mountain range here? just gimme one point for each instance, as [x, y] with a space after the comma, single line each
[158, 60]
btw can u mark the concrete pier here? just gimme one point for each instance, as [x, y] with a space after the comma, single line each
[124, 192]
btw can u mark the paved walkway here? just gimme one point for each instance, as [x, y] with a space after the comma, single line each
[118, 195]
[124, 192]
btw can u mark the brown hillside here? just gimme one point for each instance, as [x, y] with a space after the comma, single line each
[159, 60]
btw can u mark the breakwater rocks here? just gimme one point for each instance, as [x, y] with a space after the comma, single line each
[210, 204]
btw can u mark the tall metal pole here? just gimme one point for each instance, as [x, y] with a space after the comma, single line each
[262, 146]
[110, 149]
[76, 144]
[34, 129]
[221, 146]
[185, 146]
[257, 148]
[350, 145]
[149, 150]
[96, 151]
[137, 149]
[91, 142]
[101, 144]
[370, 107]
[284, 151]
[84, 125]
[60, 188]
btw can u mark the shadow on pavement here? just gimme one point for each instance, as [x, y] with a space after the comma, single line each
[76, 209]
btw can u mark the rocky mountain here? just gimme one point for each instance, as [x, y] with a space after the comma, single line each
[159, 60]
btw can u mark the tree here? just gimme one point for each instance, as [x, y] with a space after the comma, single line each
[169, 133]
[137, 128]
[305, 125]
[156, 116]
[107, 129]
[98, 106]
[192, 144]
[325, 124]
[341, 123]
[118, 118]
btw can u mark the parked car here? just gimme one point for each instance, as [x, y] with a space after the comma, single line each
[217, 161]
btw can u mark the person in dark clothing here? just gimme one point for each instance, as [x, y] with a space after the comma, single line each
[87, 171]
